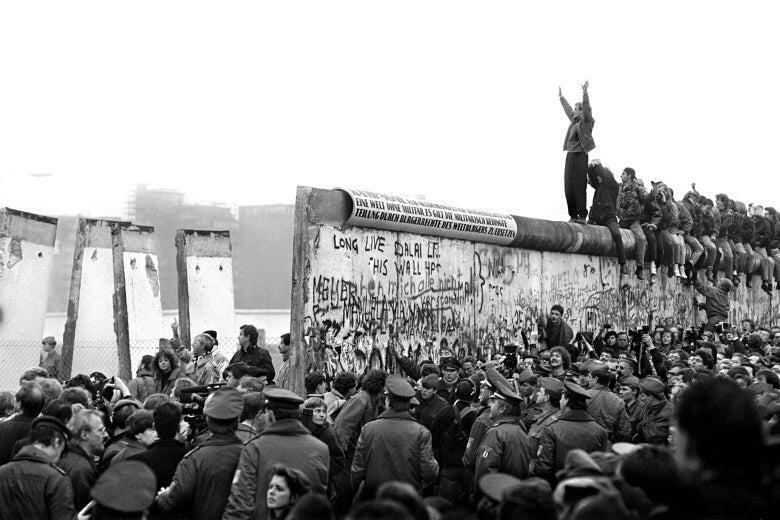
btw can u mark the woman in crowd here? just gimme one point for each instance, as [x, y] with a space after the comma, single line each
[166, 371]
[318, 425]
[287, 485]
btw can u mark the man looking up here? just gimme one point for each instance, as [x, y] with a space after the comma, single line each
[577, 143]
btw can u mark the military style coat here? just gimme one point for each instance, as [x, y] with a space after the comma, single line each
[573, 429]
[394, 447]
[287, 442]
[609, 411]
[33, 487]
[505, 448]
[201, 484]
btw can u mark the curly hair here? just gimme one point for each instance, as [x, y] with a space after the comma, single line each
[297, 482]
[172, 359]
[373, 381]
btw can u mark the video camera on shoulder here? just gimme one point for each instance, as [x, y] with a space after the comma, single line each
[196, 395]
[636, 335]
[722, 327]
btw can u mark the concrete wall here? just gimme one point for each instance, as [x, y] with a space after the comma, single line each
[205, 269]
[26, 253]
[364, 290]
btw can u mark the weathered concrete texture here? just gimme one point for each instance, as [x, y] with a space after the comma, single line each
[26, 254]
[367, 289]
[206, 298]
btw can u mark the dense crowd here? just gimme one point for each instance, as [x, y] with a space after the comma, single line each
[661, 423]
[685, 236]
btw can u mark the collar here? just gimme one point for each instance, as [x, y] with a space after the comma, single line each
[506, 420]
[202, 360]
[32, 453]
[166, 443]
[392, 414]
[286, 427]
[575, 415]
[545, 414]
[337, 394]
[221, 439]
[22, 418]
[599, 386]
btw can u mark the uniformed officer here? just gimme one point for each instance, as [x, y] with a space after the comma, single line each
[126, 490]
[394, 446]
[284, 441]
[605, 407]
[483, 420]
[505, 448]
[48, 492]
[655, 416]
[573, 429]
[549, 398]
[201, 485]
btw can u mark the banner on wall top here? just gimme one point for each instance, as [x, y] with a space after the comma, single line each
[377, 210]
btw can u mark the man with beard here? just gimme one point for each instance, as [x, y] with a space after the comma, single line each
[574, 429]
[655, 416]
[505, 448]
[560, 362]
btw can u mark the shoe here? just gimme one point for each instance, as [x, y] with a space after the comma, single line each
[748, 281]
[624, 270]
[710, 275]
[639, 273]
[653, 276]
[672, 272]
[768, 289]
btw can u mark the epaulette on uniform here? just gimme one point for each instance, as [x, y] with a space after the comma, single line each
[59, 469]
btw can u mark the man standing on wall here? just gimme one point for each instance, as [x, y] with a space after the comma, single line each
[577, 143]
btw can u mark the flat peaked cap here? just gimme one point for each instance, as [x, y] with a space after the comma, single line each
[551, 384]
[495, 484]
[54, 422]
[575, 391]
[652, 385]
[399, 387]
[278, 397]
[223, 404]
[449, 362]
[128, 486]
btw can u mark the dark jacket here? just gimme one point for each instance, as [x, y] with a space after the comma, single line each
[686, 221]
[670, 217]
[324, 432]
[726, 219]
[652, 211]
[609, 411]
[449, 437]
[631, 200]
[748, 230]
[505, 448]
[543, 420]
[710, 226]
[558, 335]
[394, 447]
[201, 484]
[735, 229]
[654, 420]
[573, 429]
[82, 471]
[358, 411]
[143, 385]
[255, 357]
[583, 126]
[690, 200]
[478, 429]
[53, 364]
[604, 206]
[128, 447]
[14, 429]
[162, 456]
[716, 304]
[31, 487]
[287, 442]
[427, 410]
[763, 232]
[164, 383]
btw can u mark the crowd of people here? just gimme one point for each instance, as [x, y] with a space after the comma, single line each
[664, 423]
[686, 235]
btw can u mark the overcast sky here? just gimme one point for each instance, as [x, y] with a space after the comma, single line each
[239, 102]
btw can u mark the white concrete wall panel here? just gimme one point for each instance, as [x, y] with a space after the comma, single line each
[211, 297]
[144, 305]
[26, 254]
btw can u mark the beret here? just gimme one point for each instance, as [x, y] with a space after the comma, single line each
[551, 384]
[652, 385]
[524, 376]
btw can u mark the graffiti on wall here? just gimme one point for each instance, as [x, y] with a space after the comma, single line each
[373, 296]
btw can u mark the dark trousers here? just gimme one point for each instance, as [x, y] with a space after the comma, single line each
[575, 182]
[614, 230]
[650, 252]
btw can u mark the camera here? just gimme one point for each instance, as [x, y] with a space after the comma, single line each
[722, 327]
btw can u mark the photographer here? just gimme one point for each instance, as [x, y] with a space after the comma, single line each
[650, 358]
[717, 302]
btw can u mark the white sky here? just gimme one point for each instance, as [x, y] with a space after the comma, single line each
[239, 102]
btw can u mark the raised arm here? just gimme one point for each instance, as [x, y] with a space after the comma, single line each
[566, 106]
[587, 115]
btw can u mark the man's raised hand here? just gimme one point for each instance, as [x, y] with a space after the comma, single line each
[585, 86]
[560, 92]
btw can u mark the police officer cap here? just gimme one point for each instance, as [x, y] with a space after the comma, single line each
[449, 362]
[631, 381]
[54, 422]
[494, 377]
[525, 376]
[593, 365]
[504, 389]
[575, 391]
[225, 403]
[278, 397]
[652, 385]
[551, 384]
[495, 484]
[128, 486]
[399, 387]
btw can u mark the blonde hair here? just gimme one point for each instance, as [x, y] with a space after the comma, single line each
[81, 421]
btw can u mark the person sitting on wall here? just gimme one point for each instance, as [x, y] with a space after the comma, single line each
[603, 211]
[630, 207]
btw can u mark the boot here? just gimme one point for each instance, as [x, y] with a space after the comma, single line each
[710, 276]
[748, 281]
[671, 271]
[639, 272]
[623, 270]
[768, 288]
[765, 285]
[735, 279]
